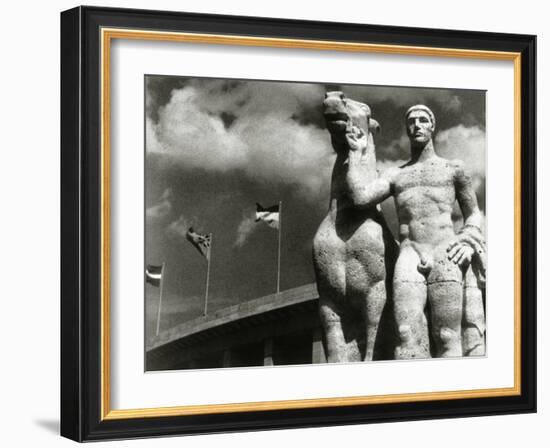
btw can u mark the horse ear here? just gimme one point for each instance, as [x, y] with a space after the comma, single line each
[374, 127]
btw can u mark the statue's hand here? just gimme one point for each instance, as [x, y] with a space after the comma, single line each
[356, 139]
[460, 253]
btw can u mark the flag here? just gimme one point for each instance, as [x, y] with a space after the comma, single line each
[268, 215]
[153, 274]
[201, 242]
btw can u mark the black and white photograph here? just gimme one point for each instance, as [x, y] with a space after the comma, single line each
[305, 223]
[274, 223]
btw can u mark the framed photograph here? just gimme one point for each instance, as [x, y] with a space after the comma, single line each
[276, 224]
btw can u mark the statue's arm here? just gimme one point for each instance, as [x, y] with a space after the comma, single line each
[466, 197]
[367, 193]
[470, 238]
[365, 188]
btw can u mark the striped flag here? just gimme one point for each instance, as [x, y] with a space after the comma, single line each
[201, 242]
[268, 215]
[153, 274]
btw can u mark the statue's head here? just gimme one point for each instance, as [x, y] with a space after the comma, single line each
[341, 113]
[420, 123]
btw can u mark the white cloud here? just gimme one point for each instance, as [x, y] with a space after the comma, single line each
[179, 227]
[266, 144]
[163, 208]
[246, 227]
[263, 141]
[466, 144]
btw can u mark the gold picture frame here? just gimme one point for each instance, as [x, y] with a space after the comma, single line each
[98, 420]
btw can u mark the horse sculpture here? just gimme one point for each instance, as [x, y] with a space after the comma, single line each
[353, 250]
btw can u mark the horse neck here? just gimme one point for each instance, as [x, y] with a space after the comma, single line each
[366, 164]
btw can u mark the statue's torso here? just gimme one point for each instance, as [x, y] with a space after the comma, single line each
[424, 195]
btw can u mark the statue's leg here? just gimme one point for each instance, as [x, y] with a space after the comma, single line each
[410, 295]
[473, 317]
[335, 310]
[331, 320]
[331, 287]
[374, 305]
[445, 293]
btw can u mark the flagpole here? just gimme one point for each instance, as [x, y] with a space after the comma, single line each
[207, 277]
[160, 297]
[279, 247]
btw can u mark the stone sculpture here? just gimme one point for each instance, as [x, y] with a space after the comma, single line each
[438, 276]
[353, 245]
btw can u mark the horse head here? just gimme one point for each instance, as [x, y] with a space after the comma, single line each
[341, 113]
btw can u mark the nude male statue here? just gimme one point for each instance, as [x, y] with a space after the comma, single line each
[433, 260]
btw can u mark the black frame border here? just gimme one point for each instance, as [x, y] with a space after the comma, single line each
[81, 223]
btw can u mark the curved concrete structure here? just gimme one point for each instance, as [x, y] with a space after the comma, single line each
[275, 329]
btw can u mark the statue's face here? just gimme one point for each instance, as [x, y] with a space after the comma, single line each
[419, 127]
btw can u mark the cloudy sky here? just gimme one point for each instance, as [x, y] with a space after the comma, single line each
[215, 147]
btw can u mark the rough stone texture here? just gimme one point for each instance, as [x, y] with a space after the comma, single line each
[473, 320]
[438, 278]
[352, 245]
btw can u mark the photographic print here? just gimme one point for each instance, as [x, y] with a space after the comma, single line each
[297, 223]
[251, 201]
